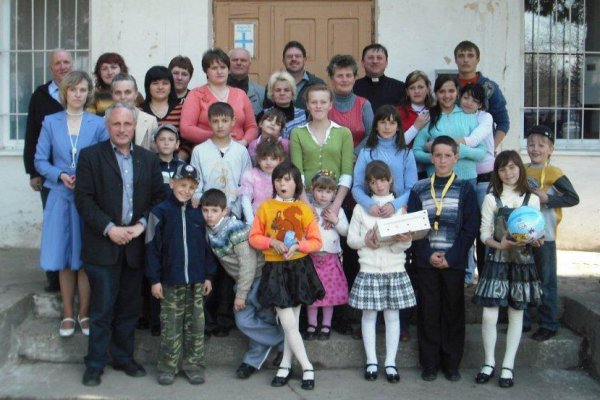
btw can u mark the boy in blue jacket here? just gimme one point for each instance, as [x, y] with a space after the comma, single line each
[179, 267]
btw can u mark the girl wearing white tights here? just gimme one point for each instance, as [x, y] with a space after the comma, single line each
[509, 277]
[286, 230]
[382, 283]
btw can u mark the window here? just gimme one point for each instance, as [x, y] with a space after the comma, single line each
[562, 70]
[29, 31]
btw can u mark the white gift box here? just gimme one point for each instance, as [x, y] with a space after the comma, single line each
[416, 223]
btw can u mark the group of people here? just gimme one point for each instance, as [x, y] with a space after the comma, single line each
[278, 192]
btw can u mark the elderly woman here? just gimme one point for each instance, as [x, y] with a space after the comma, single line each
[63, 136]
[107, 67]
[281, 90]
[194, 123]
[349, 110]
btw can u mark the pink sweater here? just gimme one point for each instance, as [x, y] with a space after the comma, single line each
[194, 124]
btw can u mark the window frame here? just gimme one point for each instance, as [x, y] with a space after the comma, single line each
[579, 143]
[11, 142]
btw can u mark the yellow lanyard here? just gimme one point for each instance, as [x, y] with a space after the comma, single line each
[439, 205]
[543, 175]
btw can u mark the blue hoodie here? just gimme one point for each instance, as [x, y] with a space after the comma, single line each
[177, 252]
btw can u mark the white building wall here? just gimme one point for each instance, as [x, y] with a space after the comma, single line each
[418, 34]
[422, 35]
[20, 207]
[152, 32]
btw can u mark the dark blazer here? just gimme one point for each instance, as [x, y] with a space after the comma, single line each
[41, 104]
[99, 198]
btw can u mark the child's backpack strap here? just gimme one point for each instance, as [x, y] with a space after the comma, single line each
[526, 199]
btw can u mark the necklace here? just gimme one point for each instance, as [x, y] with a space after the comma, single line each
[73, 149]
[439, 205]
[72, 114]
[222, 97]
[159, 110]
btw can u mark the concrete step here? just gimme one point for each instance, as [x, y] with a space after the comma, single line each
[63, 381]
[38, 340]
[50, 306]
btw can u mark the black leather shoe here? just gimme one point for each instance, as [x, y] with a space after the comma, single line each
[543, 334]
[91, 377]
[507, 382]
[279, 381]
[429, 374]
[324, 334]
[393, 377]
[482, 377]
[312, 334]
[371, 375]
[244, 371]
[452, 375]
[132, 369]
[308, 384]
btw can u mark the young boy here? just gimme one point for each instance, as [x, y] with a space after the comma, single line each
[221, 161]
[166, 142]
[228, 239]
[440, 260]
[179, 266]
[555, 191]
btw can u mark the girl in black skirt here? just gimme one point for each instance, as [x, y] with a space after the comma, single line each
[286, 230]
[509, 277]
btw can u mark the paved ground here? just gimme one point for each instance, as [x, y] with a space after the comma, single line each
[579, 272]
[62, 381]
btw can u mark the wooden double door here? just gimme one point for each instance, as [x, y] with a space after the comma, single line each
[325, 28]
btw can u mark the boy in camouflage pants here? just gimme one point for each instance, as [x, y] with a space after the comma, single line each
[179, 266]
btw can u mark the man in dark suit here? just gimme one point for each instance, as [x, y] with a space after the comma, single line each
[44, 101]
[117, 185]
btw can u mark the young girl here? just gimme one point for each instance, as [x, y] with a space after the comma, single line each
[286, 231]
[255, 185]
[382, 283]
[385, 143]
[327, 260]
[414, 109]
[271, 125]
[472, 101]
[509, 277]
[323, 144]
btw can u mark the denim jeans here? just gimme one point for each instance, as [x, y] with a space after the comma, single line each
[545, 262]
[114, 310]
[260, 326]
